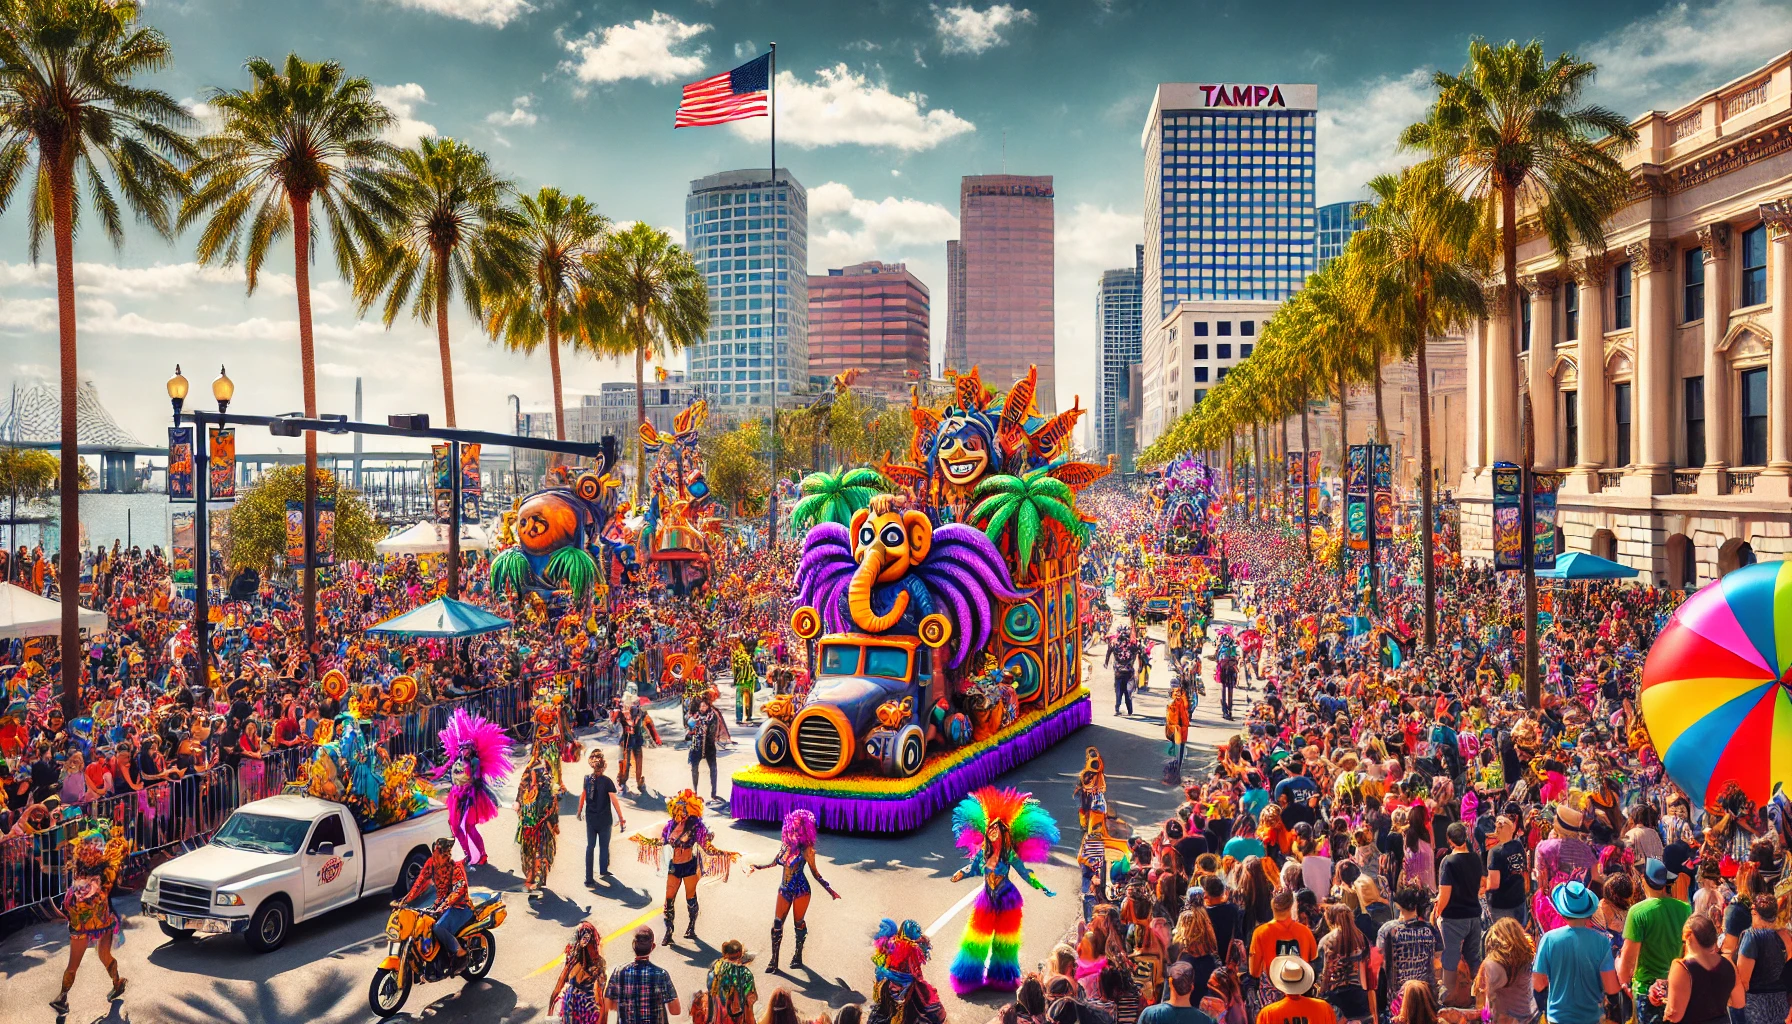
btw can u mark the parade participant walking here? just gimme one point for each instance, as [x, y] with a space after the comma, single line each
[1123, 656]
[999, 830]
[796, 855]
[537, 820]
[746, 681]
[637, 728]
[581, 977]
[481, 761]
[99, 854]
[597, 799]
[693, 852]
[703, 726]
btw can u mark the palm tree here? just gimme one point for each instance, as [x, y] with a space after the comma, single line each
[1022, 505]
[300, 134]
[1421, 254]
[557, 234]
[834, 497]
[453, 230]
[69, 101]
[647, 298]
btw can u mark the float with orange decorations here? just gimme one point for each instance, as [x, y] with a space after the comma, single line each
[939, 599]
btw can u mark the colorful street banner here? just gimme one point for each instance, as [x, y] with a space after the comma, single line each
[469, 483]
[295, 533]
[1384, 492]
[1508, 526]
[182, 532]
[1543, 514]
[180, 463]
[221, 459]
[443, 483]
[1313, 467]
[326, 532]
[1356, 497]
[1297, 470]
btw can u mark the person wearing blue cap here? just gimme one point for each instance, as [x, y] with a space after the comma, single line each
[1651, 938]
[1574, 967]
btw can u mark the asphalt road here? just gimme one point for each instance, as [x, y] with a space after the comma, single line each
[321, 974]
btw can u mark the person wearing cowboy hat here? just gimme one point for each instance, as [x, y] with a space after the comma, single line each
[1293, 977]
[1574, 967]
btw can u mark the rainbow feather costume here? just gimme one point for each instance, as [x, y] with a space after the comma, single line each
[989, 953]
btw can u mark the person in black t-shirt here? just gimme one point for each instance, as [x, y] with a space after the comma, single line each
[596, 799]
[1506, 875]
[1459, 912]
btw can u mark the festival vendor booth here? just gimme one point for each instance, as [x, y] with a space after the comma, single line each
[23, 614]
[1580, 565]
[427, 538]
[939, 598]
[443, 619]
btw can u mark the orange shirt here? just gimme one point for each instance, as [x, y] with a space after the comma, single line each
[1281, 938]
[1297, 1010]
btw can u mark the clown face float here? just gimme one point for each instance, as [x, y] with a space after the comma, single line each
[943, 622]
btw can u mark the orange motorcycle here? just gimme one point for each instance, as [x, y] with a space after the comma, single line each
[413, 953]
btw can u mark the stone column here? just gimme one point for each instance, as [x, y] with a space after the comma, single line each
[1502, 378]
[1778, 215]
[1654, 469]
[1590, 272]
[1474, 436]
[1714, 239]
[1542, 383]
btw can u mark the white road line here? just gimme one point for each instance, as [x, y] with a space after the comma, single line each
[946, 918]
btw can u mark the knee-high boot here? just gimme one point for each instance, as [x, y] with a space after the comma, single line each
[777, 941]
[690, 928]
[670, 914]
[796, 955]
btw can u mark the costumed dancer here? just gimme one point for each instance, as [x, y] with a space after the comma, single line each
[582, 978]
[636, 728]
[99, 854]
[537, 818]
[693, 852]
[481, 762]
[796, 855]
[1092, 789]
[999, 830]
[899, 995]
[746, 681]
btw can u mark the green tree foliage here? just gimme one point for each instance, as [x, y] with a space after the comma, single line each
[734, 463]
[27, 472]
[257, 523]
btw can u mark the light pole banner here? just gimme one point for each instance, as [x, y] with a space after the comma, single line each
[295, 533]
[1384, 492]
[1543, 511]
[469, 483]
[221, 464]
[1508, 526]
[182, 533]
[1356, 497]
[442, 476]
[180, 463]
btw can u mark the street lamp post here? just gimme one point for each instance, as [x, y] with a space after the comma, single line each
[223, 389]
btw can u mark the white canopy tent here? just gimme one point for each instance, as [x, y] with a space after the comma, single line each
[428, 538]
[23, 613]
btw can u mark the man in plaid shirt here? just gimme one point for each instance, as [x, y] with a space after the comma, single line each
[642, 991]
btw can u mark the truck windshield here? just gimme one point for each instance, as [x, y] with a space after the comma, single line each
[261, 833]
[839, 659]
[889, 662]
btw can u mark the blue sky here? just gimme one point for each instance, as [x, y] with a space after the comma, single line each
[883, 105]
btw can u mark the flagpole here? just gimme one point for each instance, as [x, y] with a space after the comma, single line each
[771, 526]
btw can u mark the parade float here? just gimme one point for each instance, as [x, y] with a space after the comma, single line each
[679, 523]
[566, 542]
[939, 599]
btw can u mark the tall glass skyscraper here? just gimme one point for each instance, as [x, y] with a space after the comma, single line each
[1117, 323]
[751, 240]
[1337, 222]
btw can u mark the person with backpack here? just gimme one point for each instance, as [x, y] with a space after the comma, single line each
[730, 990]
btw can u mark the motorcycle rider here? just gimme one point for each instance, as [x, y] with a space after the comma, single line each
[452, 909]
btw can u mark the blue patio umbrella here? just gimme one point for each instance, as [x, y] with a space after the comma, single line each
[1579, 565]
[444, 618]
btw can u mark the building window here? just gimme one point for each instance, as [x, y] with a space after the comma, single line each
[1570, 427]
[1200, 374]
[1695, 421]
[1244, 351]
[1200, 350]
[1225, 351]
[1200, 329]
[1225, 328]
[1621, 278]
[1754, 417]
[1692, 291]
[1754, 266]
[1524, 319]
[1248, 328]
[1621, 420]
[1570, 311]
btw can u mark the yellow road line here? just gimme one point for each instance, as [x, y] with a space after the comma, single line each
[627, 929]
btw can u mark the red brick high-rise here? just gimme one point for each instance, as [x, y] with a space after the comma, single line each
[870, 316]
[1005, 305]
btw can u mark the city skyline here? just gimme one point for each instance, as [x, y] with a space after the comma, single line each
[882, 111]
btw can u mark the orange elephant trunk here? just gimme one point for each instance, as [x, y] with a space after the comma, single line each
[858, 595]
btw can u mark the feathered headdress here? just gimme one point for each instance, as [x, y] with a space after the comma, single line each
[489, 742]
[799, 829]
[688, 801]
[1031, 827]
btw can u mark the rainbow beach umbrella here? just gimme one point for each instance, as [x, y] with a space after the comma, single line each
[1715, 695]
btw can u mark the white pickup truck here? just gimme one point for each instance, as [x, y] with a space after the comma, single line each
[283, 860]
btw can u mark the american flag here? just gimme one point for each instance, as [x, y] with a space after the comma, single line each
[730, 96]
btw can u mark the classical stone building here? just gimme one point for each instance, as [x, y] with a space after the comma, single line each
[1659, 371]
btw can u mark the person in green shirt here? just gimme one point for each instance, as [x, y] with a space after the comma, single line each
[1651, 939]
[746, 682]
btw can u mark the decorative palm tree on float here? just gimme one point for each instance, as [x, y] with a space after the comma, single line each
[834, 497]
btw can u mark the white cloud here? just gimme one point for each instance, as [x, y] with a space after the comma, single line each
[1665, 58]
[403, 100]
[846, 229]
[496, 13]
[656, 49]
[520, 114]
[844, 107]
[1359, 129]
[746, 49]
[968, 30]
[1090, 238]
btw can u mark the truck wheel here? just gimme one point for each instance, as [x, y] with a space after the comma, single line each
[773, 745]
[482, 951]
[175, 933]
[268, 928]
[386, 994]
[910, 750]
[407, 874]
